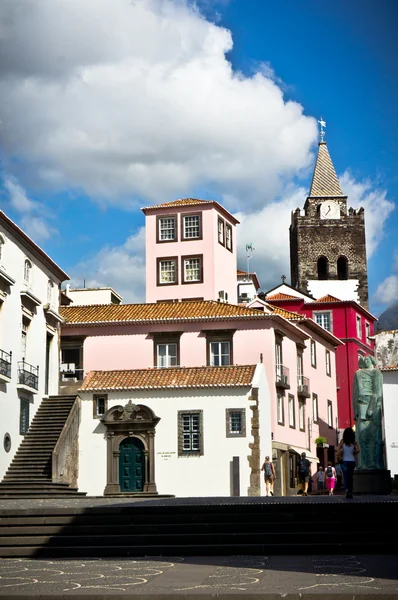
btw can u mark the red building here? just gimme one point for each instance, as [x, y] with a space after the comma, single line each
[348, 321]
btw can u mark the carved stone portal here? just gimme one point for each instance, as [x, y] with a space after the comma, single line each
[132, 420]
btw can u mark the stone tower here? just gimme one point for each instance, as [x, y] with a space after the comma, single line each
[327, 242]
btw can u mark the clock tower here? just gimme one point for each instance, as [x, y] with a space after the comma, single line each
[327, 242]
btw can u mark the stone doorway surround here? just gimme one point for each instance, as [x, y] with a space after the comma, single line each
[131, 420]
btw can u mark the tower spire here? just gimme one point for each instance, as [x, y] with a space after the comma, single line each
[325, 183]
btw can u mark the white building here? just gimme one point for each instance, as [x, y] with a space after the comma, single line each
[182, 431]
[390, 406]
[29, 333]
[85, 296]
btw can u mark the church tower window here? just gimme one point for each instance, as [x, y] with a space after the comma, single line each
[323, 268]
[342, 268]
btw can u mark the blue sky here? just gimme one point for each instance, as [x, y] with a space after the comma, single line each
[108, 109]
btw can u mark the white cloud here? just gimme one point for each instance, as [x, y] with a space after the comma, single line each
[33, 215]
[377, 207]
[387, 291]
[120, 267]
[136, 98]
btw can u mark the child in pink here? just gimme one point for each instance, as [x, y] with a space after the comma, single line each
[330, 475]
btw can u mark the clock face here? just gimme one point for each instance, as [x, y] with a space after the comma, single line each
[330, 210]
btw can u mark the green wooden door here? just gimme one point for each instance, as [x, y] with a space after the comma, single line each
[131, 465]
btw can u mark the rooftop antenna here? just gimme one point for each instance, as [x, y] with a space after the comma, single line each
[322, 132]
[249, 250]
[84, 282]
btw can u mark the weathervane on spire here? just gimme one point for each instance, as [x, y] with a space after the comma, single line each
[322, 123]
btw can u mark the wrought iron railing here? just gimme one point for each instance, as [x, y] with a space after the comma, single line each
[28, 375]
[303, 386]
[282, 376]
[71, 372]
[5, 363]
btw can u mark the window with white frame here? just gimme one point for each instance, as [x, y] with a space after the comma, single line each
[324, 319]
[330, 414]
[236, 422]
[166, 355]
[167, 229]
[278, 359]
[167, 271]
[221, 239]
[315, 408]
[367, 329]
[190, 433]
[27, 271]
[313, 353]
[228, 237]
[301, 415]
[292, 415]
[359, 327]
[328, 365]
[100, 405]
[191, 227]
[50, 291]
[192, 269]
[24, 335]
[280, 408]
[220, 354]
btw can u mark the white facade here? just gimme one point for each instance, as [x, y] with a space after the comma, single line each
[182, 476]
[343, 290]
[390, 404]
[85, 296]
[29, 329]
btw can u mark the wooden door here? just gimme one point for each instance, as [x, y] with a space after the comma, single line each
[131, 465]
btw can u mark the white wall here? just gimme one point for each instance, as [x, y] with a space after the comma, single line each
[343, 290]
[83, 297]
[390, 401]
[14, 253]
[207, 475]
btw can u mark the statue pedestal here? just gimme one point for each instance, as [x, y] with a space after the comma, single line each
[372, 481]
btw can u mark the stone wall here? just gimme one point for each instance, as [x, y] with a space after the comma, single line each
[387, 348]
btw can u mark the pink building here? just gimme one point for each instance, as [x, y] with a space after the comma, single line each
[193, 326]
[190, 251]
[348, 321]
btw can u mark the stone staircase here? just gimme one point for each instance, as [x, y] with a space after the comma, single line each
[30, 472]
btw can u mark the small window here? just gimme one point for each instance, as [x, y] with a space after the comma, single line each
[167, 230]
[190, 433]
[100, 405]
[367, 328]
[221, 239]
[236, 422]
[220, 353]
[330, 414]
[228, 237]
[324, 319]
[292, 415]
[24, 416]
[192, 269]
[342, 268]
[27, 271]
[328, 365]
[315, 408]
[167, 271]
[323, 268]
[167, 355]
[191, 227]
[313, 353]
[24, 336]
[50, 291]
[359, 327]
[281, 410]
[301, 415]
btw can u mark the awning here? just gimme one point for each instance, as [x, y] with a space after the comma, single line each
[299, 451]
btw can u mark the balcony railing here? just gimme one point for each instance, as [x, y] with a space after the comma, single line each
[70, 372]
[282, 377]
[303, 386]
[5, 363]
[28, 375]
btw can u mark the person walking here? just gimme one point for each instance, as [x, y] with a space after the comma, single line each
[304, 472]
[347, 451]
[269, 476]
[320, 479]
[331, 477]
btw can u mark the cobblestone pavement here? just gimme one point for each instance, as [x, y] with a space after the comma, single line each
[282, 576]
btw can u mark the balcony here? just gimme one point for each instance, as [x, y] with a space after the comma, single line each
[70, 372]
[303, 386]
[5, 366]
[28, 377]
[282, 377]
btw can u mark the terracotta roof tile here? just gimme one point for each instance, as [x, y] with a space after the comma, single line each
[389, 368]
[288, 314]
[97, 314]
[281, 296]
[181, 377]
[192, 202]
[328, 298]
